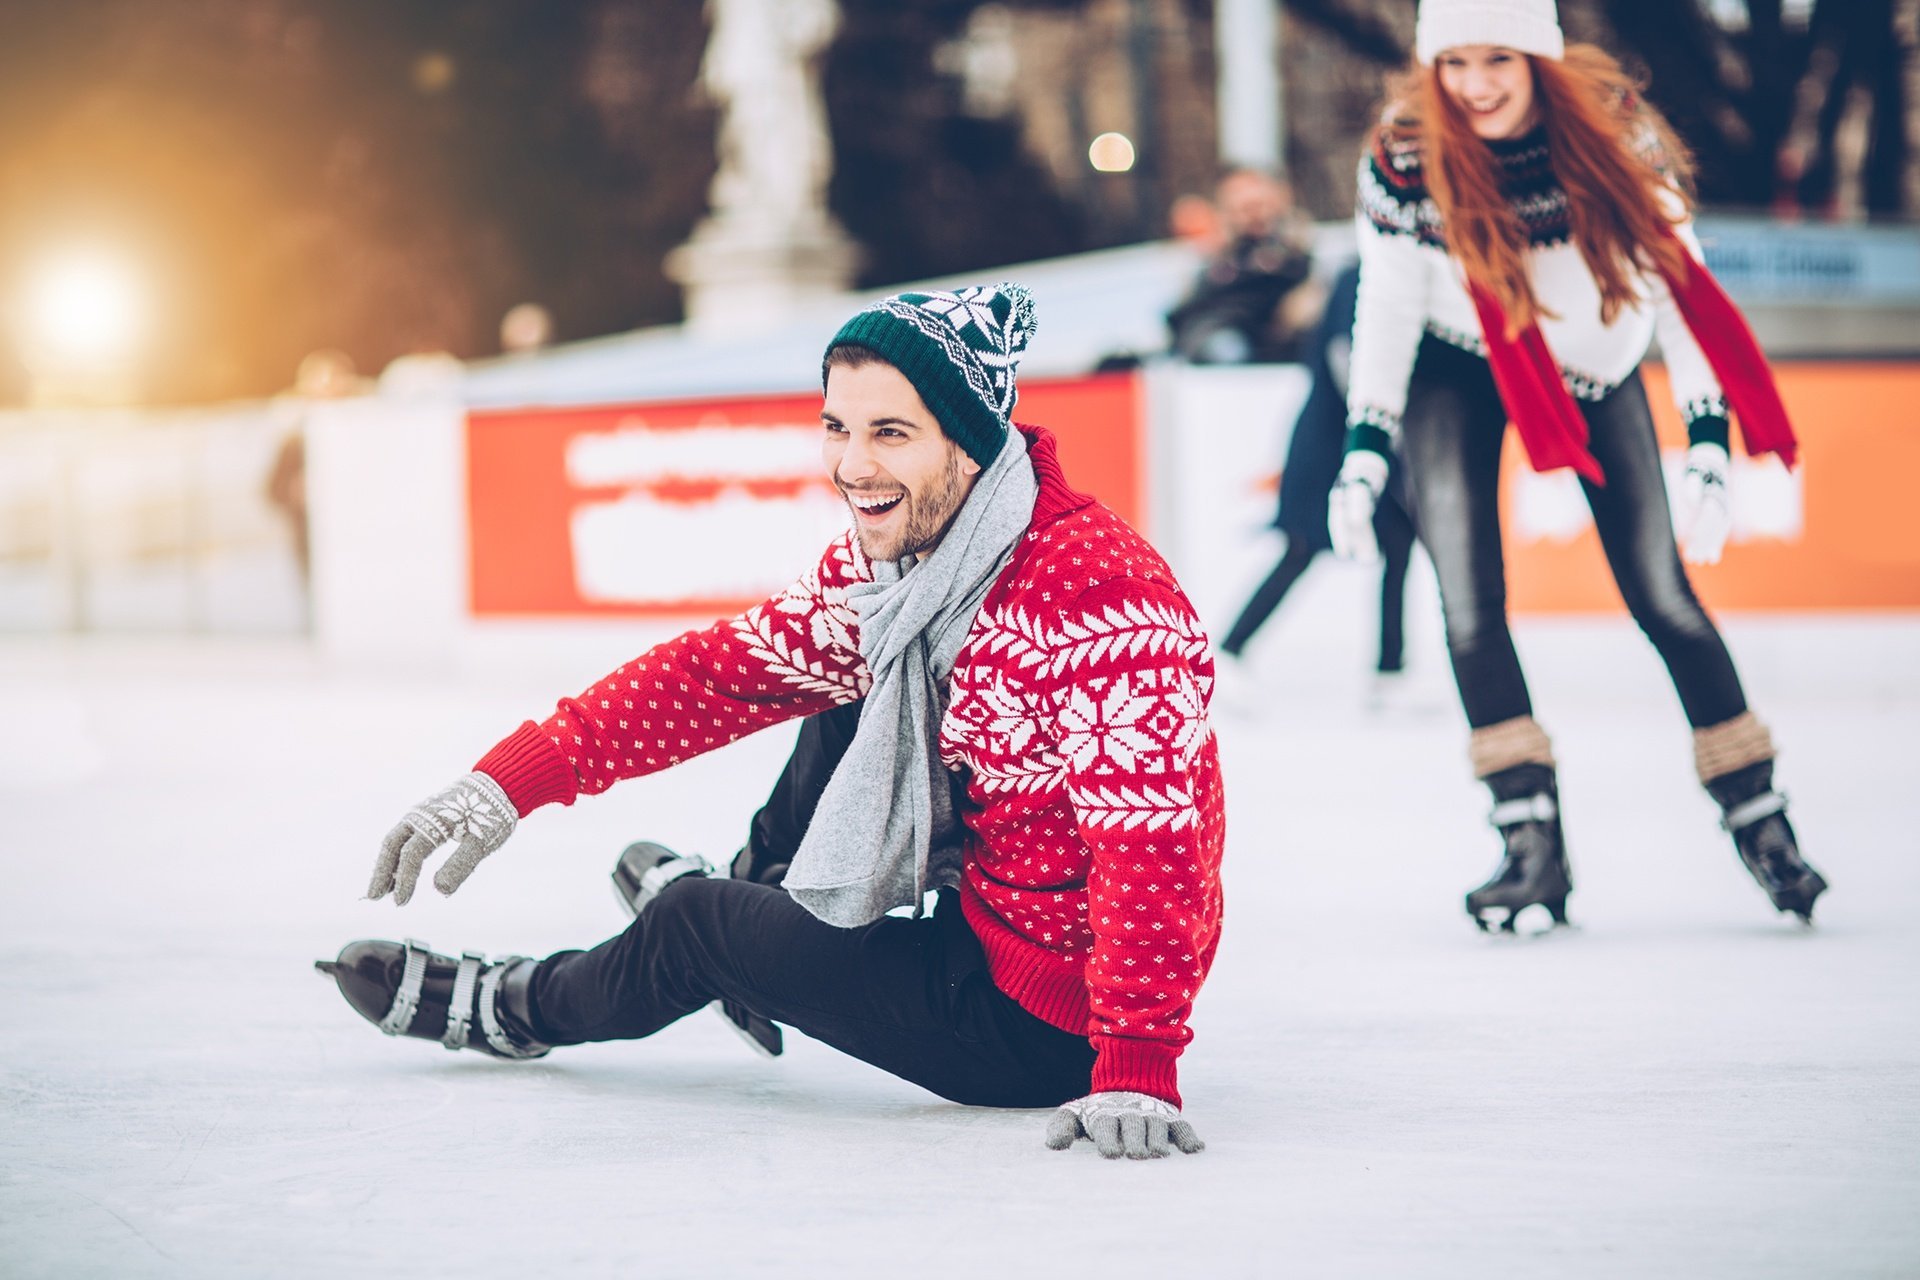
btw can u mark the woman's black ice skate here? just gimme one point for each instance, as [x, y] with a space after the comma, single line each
[1755, 815]
[644, 869]
[469, 1003]
[1533, 871]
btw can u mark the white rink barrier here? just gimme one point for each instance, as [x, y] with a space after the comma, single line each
[389, 485]
[151, 521]
[393, 572]
[386, 486]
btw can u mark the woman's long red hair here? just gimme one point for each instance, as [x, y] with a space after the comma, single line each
[1590, 109]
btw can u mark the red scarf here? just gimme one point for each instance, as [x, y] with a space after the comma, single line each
[1554, 431]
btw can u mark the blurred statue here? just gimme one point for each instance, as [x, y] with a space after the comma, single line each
[761, 67]
[769, 243]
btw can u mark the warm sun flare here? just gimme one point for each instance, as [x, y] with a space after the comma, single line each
[84, 305]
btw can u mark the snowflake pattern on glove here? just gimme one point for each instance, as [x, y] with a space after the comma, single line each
[473, 808]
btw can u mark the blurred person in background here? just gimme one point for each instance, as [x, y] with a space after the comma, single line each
[1239, 309]
[327, 374]
[1195, 221]
[1488, 291]
[1313, 462]
[286, 490]
[1031, 745]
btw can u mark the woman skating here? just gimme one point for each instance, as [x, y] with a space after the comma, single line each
[1523, 237]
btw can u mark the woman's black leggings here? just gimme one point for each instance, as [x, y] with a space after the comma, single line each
[1452, 433]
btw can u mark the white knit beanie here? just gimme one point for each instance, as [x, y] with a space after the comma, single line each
[1530, 26]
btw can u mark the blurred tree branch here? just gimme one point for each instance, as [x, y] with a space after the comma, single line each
[1361, 29]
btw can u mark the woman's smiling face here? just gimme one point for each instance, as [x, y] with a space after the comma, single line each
[1492, 85]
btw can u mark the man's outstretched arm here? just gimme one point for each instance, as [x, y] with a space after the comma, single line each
[792, 655]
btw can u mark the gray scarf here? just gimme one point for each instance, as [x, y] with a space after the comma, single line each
[885, 831]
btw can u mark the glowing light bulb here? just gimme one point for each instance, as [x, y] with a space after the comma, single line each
[1111, 153]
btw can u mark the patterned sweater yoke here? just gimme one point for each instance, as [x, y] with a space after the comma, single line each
[1411, 288]
[1077, 717]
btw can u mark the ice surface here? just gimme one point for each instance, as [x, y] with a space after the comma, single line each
[1686, 1085]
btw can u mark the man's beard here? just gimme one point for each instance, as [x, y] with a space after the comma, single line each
[926, 517]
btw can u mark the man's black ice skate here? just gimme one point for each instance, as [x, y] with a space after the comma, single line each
[469, 1003]
[1533, 870]
[1755, 815]
[644, 869]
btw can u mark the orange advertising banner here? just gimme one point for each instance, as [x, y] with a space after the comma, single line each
[1838, 532]
[704, 507]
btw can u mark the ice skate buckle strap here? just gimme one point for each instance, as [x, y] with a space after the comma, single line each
[663, 873]
[1748, 812]
[460, 1008]
[406, 1001]
[496, 1035]
[1538, 807]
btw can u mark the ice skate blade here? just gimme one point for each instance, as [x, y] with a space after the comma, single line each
[762, 1035]
[1494, 924]
[1802, 912]
[1800, 903]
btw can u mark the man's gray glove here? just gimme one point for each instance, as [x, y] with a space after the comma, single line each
[474, 811]
[1135, 1125]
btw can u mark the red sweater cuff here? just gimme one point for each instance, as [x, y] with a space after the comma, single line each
[530, 769]
[1138, 1066]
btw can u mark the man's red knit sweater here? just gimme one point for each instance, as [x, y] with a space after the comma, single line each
[1078, 712]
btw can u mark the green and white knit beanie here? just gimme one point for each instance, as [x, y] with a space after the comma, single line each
[1529, 26]
[959, 350]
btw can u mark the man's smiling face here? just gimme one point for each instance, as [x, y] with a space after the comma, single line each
[901, 475]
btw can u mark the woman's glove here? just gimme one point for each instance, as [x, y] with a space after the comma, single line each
[1363, 478]
[1705, 516]
[1135, 1125]
[474, 811]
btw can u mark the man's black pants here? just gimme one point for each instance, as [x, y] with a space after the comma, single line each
[912, 997]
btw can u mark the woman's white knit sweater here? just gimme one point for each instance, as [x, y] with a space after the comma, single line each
[1411, 287]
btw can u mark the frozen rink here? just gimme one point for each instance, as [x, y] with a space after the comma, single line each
[1684, 1085]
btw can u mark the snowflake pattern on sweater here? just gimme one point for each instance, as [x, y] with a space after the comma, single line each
[1078, 715]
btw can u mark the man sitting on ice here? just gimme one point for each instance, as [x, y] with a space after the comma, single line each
[1032, 744]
